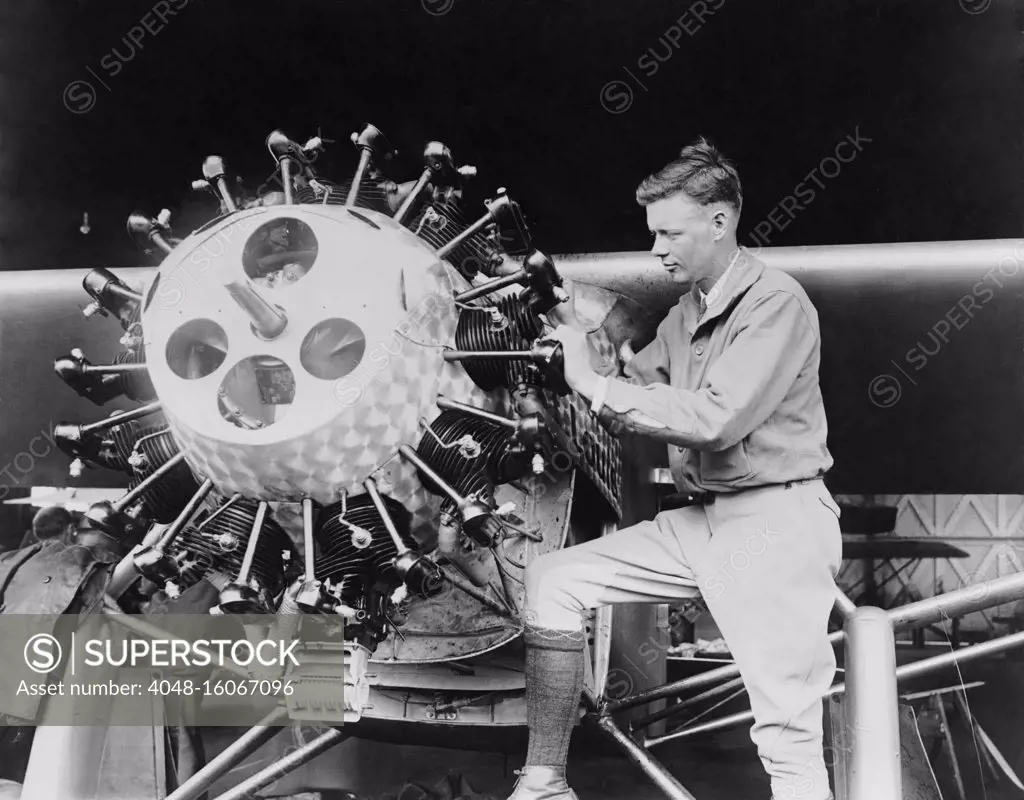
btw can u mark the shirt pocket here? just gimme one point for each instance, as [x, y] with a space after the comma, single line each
[725, 467]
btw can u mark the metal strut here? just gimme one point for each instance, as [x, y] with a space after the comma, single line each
[872, 678]
[307, 752]
[232, 755]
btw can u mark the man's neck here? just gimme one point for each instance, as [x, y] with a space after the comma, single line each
[722, 262]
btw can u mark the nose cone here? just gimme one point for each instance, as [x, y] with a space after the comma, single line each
[316, 409]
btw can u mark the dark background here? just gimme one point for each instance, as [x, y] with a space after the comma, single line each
[514, 87]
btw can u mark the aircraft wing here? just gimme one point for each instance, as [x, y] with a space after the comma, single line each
[922, 350]
[921, 358]
[41, 319]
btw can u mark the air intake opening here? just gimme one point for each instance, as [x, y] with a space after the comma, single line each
[257, 392]
[280, 252]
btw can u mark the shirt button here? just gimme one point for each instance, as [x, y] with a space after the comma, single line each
[699, 349]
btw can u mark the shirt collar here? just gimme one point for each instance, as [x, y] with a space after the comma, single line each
[743, 270]
[716, 290]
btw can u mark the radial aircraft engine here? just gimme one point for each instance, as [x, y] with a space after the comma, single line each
[345, 405]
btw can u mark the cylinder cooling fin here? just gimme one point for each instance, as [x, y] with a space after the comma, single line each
[214, 544]
[355, 551]
[505, 325]
[469, 453]
[134, 385]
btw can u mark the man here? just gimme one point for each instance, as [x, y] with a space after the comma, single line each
[50, 523]
[730, 383]
[51, 581]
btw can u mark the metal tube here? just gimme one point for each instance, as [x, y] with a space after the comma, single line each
[307, 537]
[844, 605]
[378, 502]
[234, 499]
[169, 535]
[283, 766]
[962, 656]
[125, 574]
[117, 419]
[719, 724]
[455, 405]
[111, 609]
[161, 242]
[353, 191]
[682, 705]
[417, 190]
[225, 195]
[913, 615]
[232, 755]
[477, 355]
[700, 681]
[936, 692]
[286, 180]
[113, 369]
[146, 484]
[410, 454]
[907, 671]
[253, 543]
[958, 603]
[490, 286]
[872, 707]
[268, 321]
[123, 292]
[660, 776]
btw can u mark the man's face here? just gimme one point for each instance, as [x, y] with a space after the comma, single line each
[683, 233]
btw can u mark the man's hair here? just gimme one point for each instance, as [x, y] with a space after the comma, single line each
[701, 172]
[51, 522]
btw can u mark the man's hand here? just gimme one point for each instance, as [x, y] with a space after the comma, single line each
[564, 314]
[580, 376]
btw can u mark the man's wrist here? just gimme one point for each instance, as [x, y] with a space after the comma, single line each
[599, 395]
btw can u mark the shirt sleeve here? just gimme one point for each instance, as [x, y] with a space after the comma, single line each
[742, 388]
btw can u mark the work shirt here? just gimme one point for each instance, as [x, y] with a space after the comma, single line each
[732, 389]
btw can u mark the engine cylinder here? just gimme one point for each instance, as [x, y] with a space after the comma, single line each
[515, 328]
[135, 385]
[215, 543]
[469, 453]
[356, 550]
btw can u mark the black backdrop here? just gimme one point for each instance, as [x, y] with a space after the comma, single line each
[515, 87]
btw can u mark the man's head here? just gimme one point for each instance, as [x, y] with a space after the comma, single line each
[52, 522]
[693, 208]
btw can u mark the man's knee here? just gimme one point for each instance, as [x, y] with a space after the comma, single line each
[541, 576]
[549, 584]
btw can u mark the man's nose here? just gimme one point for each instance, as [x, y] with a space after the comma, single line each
[658, 248]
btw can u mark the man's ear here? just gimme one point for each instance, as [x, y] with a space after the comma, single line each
[720, 221]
